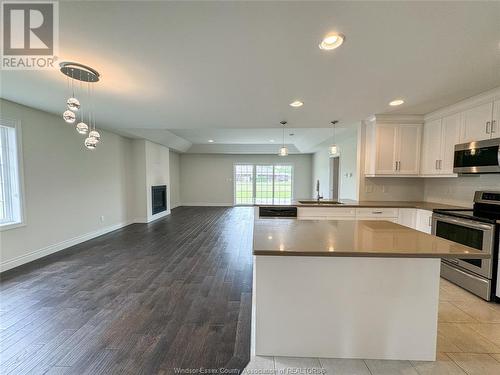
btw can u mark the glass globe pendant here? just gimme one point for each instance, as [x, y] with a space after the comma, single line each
[283, 151]
[90, 143]
[333, 149]
[69, 117]
[73, 104]
[82, 128]
[95, 134]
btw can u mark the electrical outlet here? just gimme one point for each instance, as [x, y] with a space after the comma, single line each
[102, 218]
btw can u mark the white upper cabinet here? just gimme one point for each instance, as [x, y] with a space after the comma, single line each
[477, 123]
[408, 156]
[431, 147]
[438, 147]
[385, 149]
[474, 119]
[449, 138]
[399, 145]
[495, 124]
[392, 149]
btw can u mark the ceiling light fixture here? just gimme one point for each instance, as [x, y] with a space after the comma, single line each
[283, 149]
[334, 150]
[84, 74]
[210, 141]
[296, 104]
[396, 102]
[332, 41]
[271, 140]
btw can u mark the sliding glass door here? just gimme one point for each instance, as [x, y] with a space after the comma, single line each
[263, 184]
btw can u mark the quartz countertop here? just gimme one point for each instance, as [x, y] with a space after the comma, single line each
[382, 204]
[352, 238]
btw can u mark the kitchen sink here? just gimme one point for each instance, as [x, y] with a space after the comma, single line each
[320, 202]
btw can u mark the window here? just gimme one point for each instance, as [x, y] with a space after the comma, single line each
[10, 193]
[263, 184]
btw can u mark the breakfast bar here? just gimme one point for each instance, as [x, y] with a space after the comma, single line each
[347, 288]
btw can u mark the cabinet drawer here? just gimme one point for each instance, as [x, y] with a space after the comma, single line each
[374, 212]
[304, 212]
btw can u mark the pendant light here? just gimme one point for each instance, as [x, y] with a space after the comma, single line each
[81, 128]
[333, 147]
[83, 74]
[283, 149]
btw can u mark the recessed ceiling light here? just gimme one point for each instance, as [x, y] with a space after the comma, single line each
[210, 141]
[296, 104]
[396, 102]
[271, 140]
[332, 41]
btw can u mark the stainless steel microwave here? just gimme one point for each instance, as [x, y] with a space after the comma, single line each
[477, 157]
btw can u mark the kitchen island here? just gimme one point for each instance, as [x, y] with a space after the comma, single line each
[347, 289]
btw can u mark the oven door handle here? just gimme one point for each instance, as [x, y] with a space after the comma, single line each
[465, 223]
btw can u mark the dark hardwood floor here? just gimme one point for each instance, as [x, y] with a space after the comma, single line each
[146, 299]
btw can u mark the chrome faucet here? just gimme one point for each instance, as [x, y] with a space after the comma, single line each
[318, 197]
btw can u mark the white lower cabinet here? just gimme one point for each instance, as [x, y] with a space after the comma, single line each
[424, 221]
[326, 213]
[410, 217]
[388, 214]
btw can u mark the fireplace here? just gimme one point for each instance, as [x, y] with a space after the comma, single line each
[158, 199]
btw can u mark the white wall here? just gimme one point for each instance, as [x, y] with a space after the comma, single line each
[347, 145]
[207, 179]
[175, 177]
[67, 187]
[73, 194]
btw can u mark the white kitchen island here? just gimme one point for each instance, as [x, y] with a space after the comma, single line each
[347, 289]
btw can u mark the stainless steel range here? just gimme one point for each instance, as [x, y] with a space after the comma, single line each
[477, 228]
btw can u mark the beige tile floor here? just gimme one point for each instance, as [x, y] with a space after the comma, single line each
[468, 343]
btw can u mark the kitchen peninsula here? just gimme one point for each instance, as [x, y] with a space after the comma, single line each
[347, 288]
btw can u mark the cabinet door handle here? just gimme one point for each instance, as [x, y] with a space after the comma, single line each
[440, 164]
[494, 126]
[437, 164]
[377, 212]
[488, 127]
[399, 165]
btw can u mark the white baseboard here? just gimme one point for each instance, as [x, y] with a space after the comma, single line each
[40, 253]
[204, 204]
[145, 220]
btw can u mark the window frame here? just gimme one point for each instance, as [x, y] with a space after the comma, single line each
[254, 174]
[16, 125]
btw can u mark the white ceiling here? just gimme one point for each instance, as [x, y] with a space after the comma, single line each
[237, 65]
